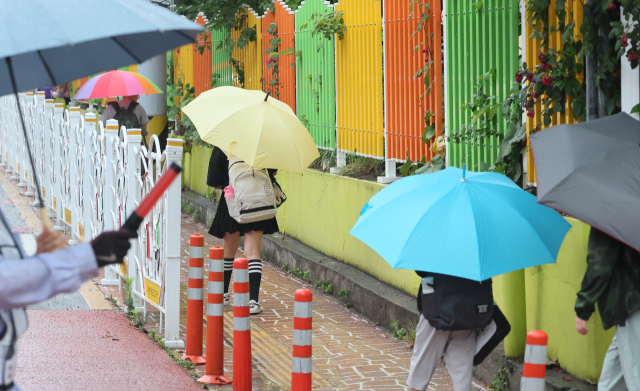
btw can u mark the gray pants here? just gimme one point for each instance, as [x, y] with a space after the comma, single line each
[621, 369]
[458, 347]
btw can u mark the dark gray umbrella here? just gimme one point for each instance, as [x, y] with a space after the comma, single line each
[51, 42]
[591, 171]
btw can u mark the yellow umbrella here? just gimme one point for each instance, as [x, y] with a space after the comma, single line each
[256, 128]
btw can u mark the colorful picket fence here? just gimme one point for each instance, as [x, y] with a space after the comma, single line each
[363, 94]
[202, 63]
[532, 49]
[407, 98]
[477, 41]
[283, 85]
[359, 91]
[316, 74]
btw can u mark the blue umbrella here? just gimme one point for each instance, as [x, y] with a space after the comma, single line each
[474, 226]
[51, 42]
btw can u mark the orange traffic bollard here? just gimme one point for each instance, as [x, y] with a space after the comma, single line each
[215, 320]
[301, 372]
[535, 362]
[194, 302]
[241, 327]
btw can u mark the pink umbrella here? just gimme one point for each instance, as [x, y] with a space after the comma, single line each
[116, 83]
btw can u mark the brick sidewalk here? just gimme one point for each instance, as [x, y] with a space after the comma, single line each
[349, 352]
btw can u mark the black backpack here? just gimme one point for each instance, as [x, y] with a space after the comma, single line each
[126, 117]
[458, 303]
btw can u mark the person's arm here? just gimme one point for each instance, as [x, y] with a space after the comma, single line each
[604, 252]
[34, 279]
[218, 174]
[141, 113]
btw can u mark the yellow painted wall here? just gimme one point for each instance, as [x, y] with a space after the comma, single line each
[320, 211]
[198, 168]
[551, 294]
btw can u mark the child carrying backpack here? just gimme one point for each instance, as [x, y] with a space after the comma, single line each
[246, 208]
[458, 319]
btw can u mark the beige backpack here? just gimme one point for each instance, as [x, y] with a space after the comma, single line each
[253, 196]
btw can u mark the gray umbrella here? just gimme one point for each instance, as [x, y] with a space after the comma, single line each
[51, 42]
[591, 171]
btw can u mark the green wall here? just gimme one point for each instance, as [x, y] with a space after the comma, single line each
[322, 208]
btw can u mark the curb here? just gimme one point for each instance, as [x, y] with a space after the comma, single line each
[373, 299]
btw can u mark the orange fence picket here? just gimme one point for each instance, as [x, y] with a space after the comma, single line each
[283, 86]
[202, 68]
[407, 98]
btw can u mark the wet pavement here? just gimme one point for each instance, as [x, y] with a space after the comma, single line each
[69, 345]
[93, 350]
[80, 349]
[349, 351]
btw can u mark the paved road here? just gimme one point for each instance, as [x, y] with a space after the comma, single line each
[76, 341]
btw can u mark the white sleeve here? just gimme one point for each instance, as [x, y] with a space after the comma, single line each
[108, 114]
[32, 280]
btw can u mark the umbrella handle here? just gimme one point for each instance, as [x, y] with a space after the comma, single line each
[230, 144]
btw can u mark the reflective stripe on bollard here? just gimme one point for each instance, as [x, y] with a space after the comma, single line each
[215, 320]
[241, 327]
[301, 363]
[194, 301]
[535, 362]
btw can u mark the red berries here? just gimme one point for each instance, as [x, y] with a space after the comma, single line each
[531, 114]
[633, 56]
[519, 77]
[530, 76]
[547, 80]
[625, 43]
[535, 95]
[612, 6]
[545, 67]
[542, 58]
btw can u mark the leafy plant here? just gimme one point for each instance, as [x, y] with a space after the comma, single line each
[305, 275]
[196, 214]
[128, 294]
[285, 267]
[326, 24]
[297, 272]
[161, 342]
[499, 382]
[325, 286]
[152, 335]
[342, 293]
[188, 210]
[397, 331]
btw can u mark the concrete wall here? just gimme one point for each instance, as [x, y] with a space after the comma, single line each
[322, 208]
[320, 211]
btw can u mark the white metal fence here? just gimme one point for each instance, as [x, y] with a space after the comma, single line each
[91, 179]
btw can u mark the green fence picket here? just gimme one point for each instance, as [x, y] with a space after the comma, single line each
[318, 112]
